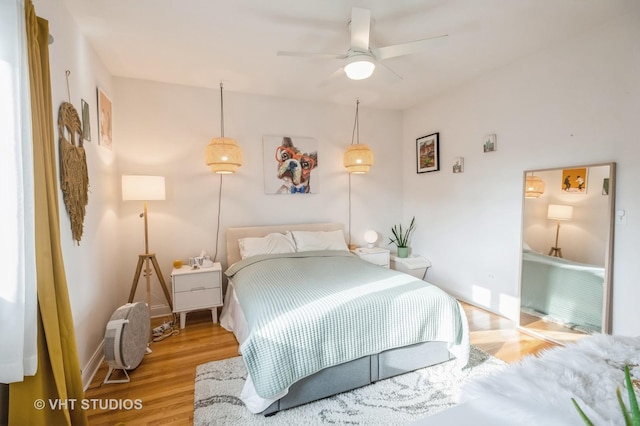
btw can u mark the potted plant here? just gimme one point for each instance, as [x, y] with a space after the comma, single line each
[401, 237]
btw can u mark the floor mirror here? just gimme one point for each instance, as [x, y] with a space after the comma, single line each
[567, 251]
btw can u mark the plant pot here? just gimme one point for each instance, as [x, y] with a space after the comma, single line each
[403, 251]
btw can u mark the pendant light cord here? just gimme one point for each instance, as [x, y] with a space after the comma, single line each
[215, 255]
[221, 112]
[349, 232]
[356, 132]
[356, 125]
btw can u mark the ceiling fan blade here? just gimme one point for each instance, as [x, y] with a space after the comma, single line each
[339, 72]
[312, 54]
[360, 27]
[389, 73]
[416, 46]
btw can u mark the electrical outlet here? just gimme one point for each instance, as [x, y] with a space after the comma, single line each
[621, 217]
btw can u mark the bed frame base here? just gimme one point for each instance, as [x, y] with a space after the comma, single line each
[361, 372]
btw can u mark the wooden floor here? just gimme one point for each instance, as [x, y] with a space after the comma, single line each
[162, 386]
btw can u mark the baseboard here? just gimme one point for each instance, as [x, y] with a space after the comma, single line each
[90, 370]
[160, 311]
[484, 308]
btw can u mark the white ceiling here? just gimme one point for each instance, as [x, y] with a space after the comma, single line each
[203, 42]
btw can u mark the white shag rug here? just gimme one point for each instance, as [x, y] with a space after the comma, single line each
[538, 390]
[394, 401]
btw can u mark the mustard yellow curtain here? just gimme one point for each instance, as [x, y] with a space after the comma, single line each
[58, 382]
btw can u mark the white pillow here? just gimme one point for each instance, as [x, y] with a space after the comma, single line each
[319, 240]
[271, 244]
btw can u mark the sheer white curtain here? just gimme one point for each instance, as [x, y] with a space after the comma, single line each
[18, 292]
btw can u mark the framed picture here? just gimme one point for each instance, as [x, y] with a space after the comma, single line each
[574, 181]
[86, 122]
[290, 165]
[105, 120]
[458, 165]
[490, 143]
[428, 153]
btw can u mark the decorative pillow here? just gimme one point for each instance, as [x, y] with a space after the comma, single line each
[319, 240]
[270, 244]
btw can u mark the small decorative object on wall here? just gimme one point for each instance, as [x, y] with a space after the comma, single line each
[574, 181]
[290, 165]
[105, 119]
[74, 176]
[605, 186]
[490, 143]
[428, 153]
[458, 165]
[86, 123]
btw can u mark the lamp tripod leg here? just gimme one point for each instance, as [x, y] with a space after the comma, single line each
[136, 278]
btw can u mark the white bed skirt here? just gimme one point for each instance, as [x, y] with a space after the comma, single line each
[232, 319]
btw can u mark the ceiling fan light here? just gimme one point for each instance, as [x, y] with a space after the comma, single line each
[359, 67]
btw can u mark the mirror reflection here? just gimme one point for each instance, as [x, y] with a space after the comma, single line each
[566, 251]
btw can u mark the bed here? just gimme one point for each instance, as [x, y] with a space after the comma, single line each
[562, 291]
[316, 320]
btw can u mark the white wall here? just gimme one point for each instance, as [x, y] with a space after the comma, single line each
[163, 129]
[575, 103]
[91, 265]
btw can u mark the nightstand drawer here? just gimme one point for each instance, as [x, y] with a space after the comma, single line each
[187, 282]
[198, 297]
[377, 256]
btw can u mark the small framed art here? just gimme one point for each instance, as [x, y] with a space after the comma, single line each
[458, 165]
[574, 181]
[105, 119]
[428, 153]
[605, 186]
[86, 123]
[490, 143]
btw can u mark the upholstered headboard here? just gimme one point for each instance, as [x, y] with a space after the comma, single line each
[234, 234]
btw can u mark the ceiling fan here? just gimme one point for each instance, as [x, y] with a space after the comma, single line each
[361, 58]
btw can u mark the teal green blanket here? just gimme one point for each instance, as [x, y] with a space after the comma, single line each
[311, 310]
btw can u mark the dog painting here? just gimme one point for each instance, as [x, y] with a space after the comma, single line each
[290, 165]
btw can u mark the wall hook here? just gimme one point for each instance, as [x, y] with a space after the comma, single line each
[68, 73]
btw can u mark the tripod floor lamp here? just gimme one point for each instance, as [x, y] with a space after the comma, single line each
[145, 188]
[558, 212]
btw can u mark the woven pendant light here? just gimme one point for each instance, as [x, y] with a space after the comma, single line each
[359, 157]
[223, 155]
[533, 187]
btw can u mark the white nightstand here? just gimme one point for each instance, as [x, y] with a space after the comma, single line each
[196, 289]
[376, 255]
[415, 265]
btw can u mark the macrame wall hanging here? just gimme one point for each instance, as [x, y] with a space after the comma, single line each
[74, 176]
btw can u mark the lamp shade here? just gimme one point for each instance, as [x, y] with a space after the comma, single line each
[143, 188]
[358, 158]
[559, 212]
[533, 187]
[359, 66]
[223, 155]
[370, 237]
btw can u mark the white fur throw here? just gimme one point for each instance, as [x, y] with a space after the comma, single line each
[538, 390]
